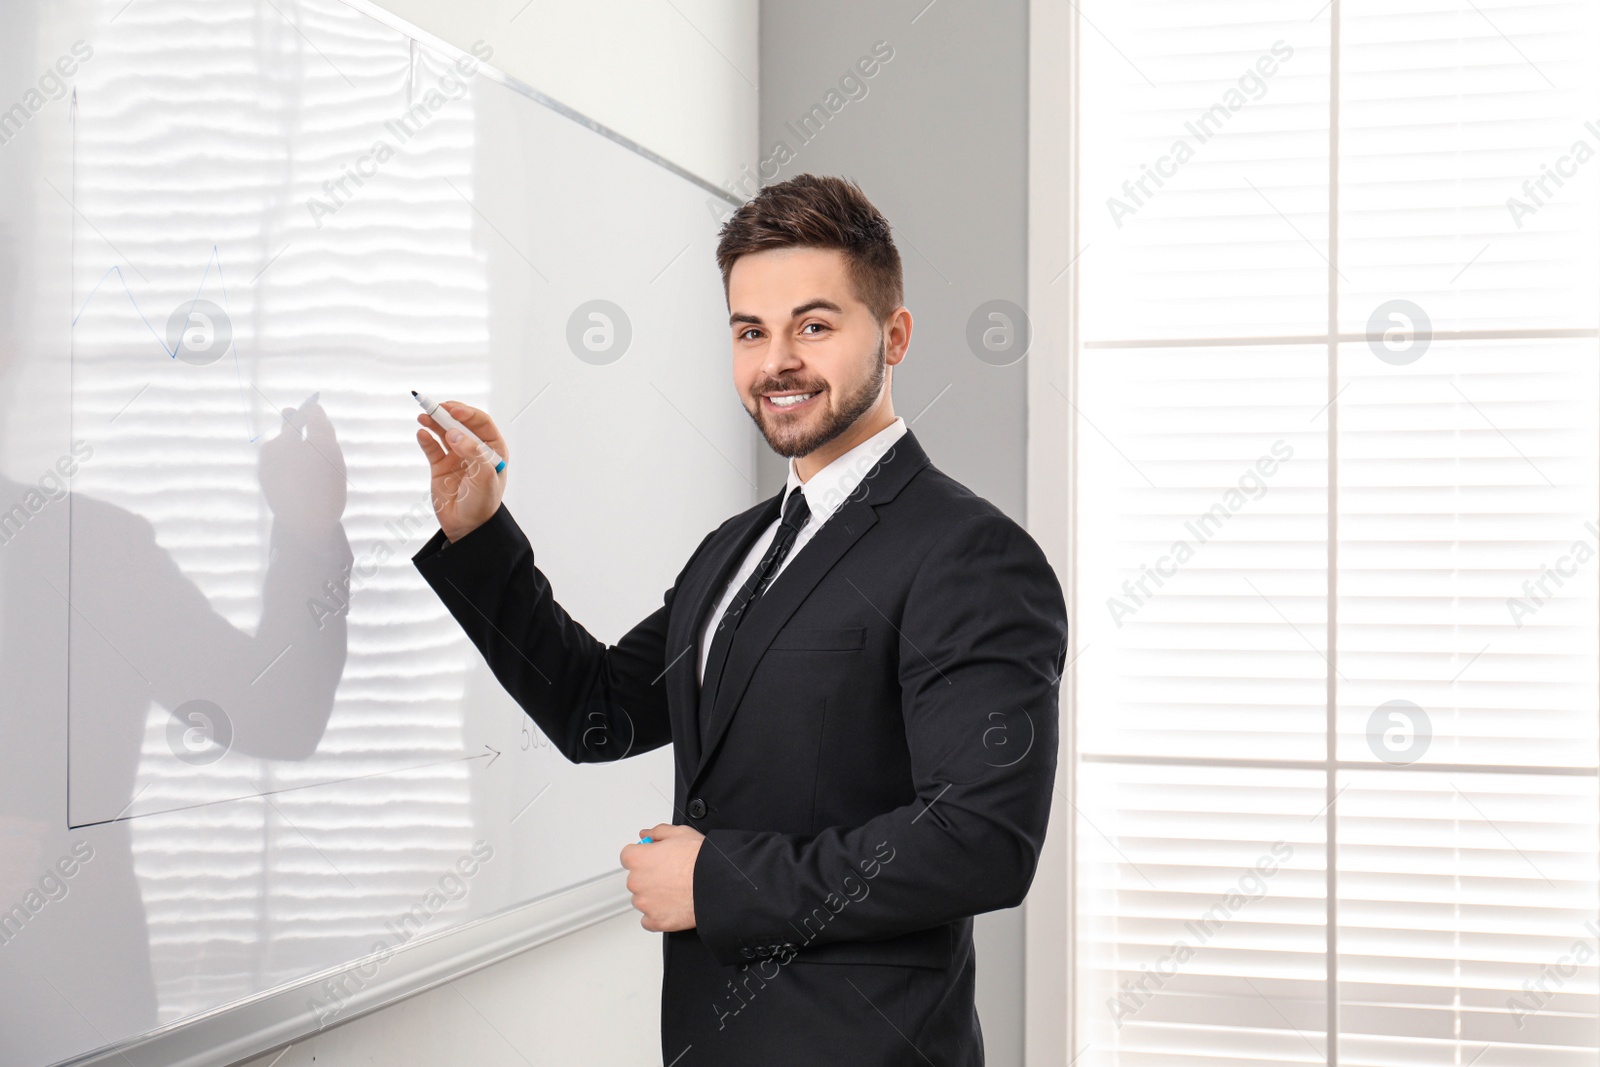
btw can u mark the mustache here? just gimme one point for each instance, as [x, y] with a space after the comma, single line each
[785, 387]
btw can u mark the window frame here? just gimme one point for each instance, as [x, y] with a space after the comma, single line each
[1049, 914]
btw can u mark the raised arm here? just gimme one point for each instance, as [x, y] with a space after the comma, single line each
[596, 703]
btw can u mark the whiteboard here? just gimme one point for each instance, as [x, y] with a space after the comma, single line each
[231, 766]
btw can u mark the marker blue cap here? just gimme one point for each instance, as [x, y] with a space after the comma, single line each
[645, 841]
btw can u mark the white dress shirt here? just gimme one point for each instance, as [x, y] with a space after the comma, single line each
[824, 492]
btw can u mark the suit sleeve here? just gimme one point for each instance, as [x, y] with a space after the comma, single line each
[982, 642]
[595, 703]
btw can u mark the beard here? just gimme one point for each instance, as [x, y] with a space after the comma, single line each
[828, 422]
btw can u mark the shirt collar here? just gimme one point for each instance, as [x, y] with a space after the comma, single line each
[831, 486]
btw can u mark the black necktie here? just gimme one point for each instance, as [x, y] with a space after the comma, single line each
[795, 515]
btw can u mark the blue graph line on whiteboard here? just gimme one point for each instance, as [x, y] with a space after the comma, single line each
[172, 350]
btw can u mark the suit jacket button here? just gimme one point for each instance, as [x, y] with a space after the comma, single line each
[748, 953]
[697, 808]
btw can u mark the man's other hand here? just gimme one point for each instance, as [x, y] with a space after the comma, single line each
[661, 876]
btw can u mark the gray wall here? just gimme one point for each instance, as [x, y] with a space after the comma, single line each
[939, 143]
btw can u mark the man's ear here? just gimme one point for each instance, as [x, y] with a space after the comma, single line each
[895, 352]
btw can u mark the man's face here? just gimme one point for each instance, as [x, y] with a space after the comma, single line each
[808, 356]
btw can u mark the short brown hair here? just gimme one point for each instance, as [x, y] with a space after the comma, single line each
[815, 211]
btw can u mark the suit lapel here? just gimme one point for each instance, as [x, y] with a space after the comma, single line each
[768, 614]
[794, 583]
[722, 558]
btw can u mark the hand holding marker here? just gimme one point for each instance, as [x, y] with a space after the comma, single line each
[466, 464]
[447, 422]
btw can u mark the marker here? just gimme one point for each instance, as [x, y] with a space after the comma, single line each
[645, 841]
[447, 422]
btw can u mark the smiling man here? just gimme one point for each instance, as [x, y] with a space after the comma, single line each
[859, 677]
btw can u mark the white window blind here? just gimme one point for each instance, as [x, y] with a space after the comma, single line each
[1338, 548]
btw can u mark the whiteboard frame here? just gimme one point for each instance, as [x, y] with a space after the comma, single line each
[243, 1029]
[388, 18]
[232, 1033]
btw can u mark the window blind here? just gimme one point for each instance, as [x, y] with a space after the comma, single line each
[1338, 547]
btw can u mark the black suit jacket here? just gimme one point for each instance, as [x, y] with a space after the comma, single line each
[879, 767]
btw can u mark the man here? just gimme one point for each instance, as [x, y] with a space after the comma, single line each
[859, 677]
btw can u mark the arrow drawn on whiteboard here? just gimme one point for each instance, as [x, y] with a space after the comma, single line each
[489, 753]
